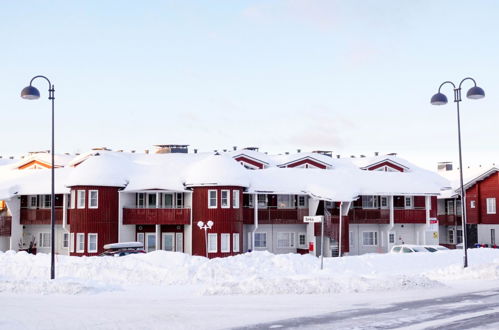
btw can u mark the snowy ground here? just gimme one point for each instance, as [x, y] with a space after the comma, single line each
[171, 290]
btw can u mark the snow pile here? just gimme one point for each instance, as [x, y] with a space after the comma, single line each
[253, 273]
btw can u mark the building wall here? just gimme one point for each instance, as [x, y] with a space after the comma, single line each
[30, 231]
[484, 234]
[489, 188]
[272, 232]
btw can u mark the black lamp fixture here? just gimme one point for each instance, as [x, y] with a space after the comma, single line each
[473, 93]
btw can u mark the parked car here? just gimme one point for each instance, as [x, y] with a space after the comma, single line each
[123, 249]
[435, 248]
[408, 248]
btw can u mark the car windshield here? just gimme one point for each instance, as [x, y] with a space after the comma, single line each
[419, 249]
[429, 248]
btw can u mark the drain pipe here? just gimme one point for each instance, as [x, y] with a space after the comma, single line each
[255, 220]
[341, 227]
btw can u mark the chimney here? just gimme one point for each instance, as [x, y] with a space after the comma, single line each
[195, 151]
[338, 156]
[376, 153]
[234, 147]
[328, 153]
[132, 151]
[444, 166]
[66, 153]
[251, 148]
[146, 151]
[121, 150]
[172, 148]
[298, 150]
[362, 156]
[392, 154]
[352, 156]
[225, 150]
[11, 157]
[286, 153]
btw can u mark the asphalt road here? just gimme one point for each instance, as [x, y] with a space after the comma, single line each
[477, 310]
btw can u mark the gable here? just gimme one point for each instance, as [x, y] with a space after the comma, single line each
[306, 163]
[34, 165]
[250, 163]
[386, 166]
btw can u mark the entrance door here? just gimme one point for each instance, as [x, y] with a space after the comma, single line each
[150, 242]
[179, 242]
[168, 243]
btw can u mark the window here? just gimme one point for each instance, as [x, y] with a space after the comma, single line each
[46, 204]
[250, 201]
[492, 237]
[93, 199]
[168, 242]
[72, 198]
[350, 238]
[92, 243]
[302, 201]
[302, 240]
[44, 241]
[152, 200]
[472, 204]
[262, 201]
[235, 199]
[391, 238]
[285, 240]
[72, 242]
[225, 199]
[212, 199]
[225, 242]
[450, 207]
[459, 236]
[235, 242]
[260, 240]
[491, 206]
[150, 242]
[285, 201]
[370, 238]
[168, 202]
[212, 243]
[179, 242]
[33, 202]
[408, 202]
[383, 201]
[141, 200]
[369, 202]
[179, 200]
[80, 243]
[81, 199]
[451, 236]
[140, 238]
[65, 240]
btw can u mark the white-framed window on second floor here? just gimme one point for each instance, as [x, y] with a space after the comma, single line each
[212, 243]
[472, 204]
[225, 199]
[168, 201]
[285, 201]
[32, 201]
[65, 240]
[212, 199]
[262, 201]
[225, 242]
[235, 199]
[286, 240]
[72, 199]
[302, 201]
[370, 238]
[369, 202]
[81, 199]
[140, 200]
[46, 203]
[491, 206]
[80, 242]
[179, 200]
[384, 202]
[92, 242]
[44, 240]
[260, 240]
[152, 200]
[409, 202]
[450, 207]
[235, 242]
[93, 199]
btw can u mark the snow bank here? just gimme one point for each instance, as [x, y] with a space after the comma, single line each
[253, 273]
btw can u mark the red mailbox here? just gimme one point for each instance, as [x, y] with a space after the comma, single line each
[311, 246]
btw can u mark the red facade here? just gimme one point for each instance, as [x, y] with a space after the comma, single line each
[102, 220]
[5, 225]
[306, 161]
[250, 162]
[272, 215]
[40, 216]
[135, 216]
[226, 220]
[388, 164]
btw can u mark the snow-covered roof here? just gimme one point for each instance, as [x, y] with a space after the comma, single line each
[471, 175]
[283, 160]
[60, 160]
[36, 182]
[366, 162]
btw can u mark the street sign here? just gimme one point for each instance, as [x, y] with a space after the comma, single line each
[313, 219]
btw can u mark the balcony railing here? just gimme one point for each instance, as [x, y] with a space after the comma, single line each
[358, 215]
[449, 219]
[274, 215]
[156, 216]
[5, 225]
[417, 215]
[40, 216]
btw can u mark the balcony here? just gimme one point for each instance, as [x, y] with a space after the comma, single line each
[449, 220]
[416, 215]
[377, 216]
[5, 224]
[274, 215]
[156, 216]
[40, 216]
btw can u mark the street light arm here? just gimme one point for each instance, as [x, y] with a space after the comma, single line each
[467, 78]
[51, 87]
[446, 82]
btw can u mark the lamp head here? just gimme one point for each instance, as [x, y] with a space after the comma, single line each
[475, 93]
[439, 99]
[30, 93]
[210, 223]
[200, 224]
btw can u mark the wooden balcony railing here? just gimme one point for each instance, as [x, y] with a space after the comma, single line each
[449, 220]
[156, 216]
[5, 225]
[275, 216]
[378, 216]
[409, 215]
[40, 216]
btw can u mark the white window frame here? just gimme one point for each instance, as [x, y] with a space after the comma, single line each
[44, 240]
[370, 202]
[264, 235]
[262, 201]
[374, 238]
[472, 204]
[179, 200]
[72, 203]
[46, 202]
[302, 201]
[285, 202]
[163, 200]
[72, 242]
[350, 238]
[384, 200]
[30, 200]
[235, 242]
[213, 198]
[300, 236]
[225, 200]
[179, 242]
[411, 202]
[146, 241]
[141, 238]
[235, 199]
[81, 199]
[391, 235]
[140, 200]
[291, 244]
[451, 236]
[491, 205]
[90, 199]
[152, 205]
[89, 235]
[65, 240]
[225, 242]
[212, 238]
[80, 243]
[163, 236]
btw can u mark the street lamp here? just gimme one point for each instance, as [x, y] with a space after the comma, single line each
[474, 93]
[31, 93]
[206, 226]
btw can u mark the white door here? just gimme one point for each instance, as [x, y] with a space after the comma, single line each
[168, 243]
[179, 242]
[150, 242]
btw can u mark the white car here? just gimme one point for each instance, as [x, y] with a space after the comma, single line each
[407, 248]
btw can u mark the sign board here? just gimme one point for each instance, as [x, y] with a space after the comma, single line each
[313, 219]
[433, 225]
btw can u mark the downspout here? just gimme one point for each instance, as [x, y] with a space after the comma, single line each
[427, 209]
[392, 222]
[341, 227]
[255, 220]
[65, 218]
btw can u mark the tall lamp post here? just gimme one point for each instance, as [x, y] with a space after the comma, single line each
[31, 93]
[474, 93]
[206, 226]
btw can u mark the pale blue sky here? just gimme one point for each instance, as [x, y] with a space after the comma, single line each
[349, 76]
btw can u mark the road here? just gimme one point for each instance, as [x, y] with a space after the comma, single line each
[477, 310]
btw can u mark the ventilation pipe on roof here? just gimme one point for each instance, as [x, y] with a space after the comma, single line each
[121, 150]
[225, 150]
[132, 151]
[444, 166]
[11, 157]
[376, 153]
[22, 157]
[195, 151]
[362, 156]
[234, 147]
[146, 151]
[1, 156]
[286, 153]
[338, 156]
[392, 154]
[352, 156]
[298, 150]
